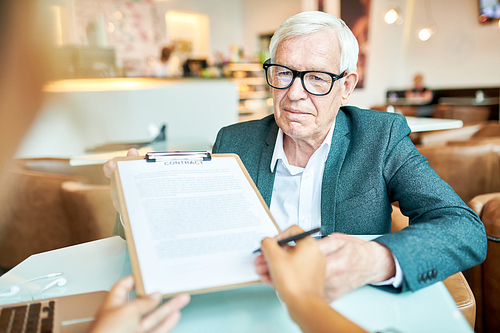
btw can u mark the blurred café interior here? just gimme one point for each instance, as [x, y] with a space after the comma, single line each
[126, 68]
[168, 74]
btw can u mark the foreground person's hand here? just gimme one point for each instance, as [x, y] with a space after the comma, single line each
[139, 315]
[297, 270]
[297, 273]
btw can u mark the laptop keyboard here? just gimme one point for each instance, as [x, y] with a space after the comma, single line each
[34, 317]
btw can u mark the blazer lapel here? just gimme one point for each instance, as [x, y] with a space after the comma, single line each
[265, 178]
[333, 165]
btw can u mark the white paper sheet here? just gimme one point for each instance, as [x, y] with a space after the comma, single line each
[195, 224]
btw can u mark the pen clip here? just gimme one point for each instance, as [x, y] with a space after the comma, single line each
[178, 155]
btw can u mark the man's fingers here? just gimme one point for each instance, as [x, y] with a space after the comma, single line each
[132, 152]
[331, 243]
[109, 168]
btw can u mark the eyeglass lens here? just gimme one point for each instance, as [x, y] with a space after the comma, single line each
[314, 82]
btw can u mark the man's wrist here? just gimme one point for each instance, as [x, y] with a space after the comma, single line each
[396, 280]
[385, 266]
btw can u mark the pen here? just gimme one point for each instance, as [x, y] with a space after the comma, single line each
[294, 238]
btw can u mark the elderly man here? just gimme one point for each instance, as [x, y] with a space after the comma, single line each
[318, 162]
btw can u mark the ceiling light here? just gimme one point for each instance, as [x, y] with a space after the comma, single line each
[426, 33]
[430, 27]
[391, 16]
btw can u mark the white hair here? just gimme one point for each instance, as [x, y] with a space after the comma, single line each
[309, 23]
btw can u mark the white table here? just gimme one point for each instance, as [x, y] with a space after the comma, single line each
[98, 265]
[422, 124]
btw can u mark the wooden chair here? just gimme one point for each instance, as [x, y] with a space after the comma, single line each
[456, 284]
[466, 113]
[471, 167]
[485, 278]
[90, 209]
[32, 216]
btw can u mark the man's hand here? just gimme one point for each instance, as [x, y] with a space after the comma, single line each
[353, 263]
[139, 315]
[297, 273]
[109, 169]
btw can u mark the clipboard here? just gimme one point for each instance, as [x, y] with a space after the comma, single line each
[140, 245]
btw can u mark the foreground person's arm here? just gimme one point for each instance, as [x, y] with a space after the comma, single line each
[297, 274]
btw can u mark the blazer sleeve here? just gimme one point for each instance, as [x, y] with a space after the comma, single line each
[444, 236]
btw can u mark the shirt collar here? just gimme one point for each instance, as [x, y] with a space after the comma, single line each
[279, 152]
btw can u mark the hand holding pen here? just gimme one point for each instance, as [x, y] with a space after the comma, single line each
[294, 238]
[298, 275]
[262, 266]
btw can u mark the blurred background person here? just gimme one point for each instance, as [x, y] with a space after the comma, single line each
[168, 65]
[421, 96]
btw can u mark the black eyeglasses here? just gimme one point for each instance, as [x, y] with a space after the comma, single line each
[317, 83]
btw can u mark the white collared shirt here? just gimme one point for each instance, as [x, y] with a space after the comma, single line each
[296, 197]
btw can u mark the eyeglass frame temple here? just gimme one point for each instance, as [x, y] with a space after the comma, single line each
[301, 74]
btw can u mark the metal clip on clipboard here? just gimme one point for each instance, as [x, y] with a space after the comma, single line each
[179, 155]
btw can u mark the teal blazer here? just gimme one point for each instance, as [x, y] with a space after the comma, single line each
[372, 163]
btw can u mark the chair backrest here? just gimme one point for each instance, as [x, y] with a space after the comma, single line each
[456, 284]
[485, 278]
[466, 113]
[481, 130]
[399, 221]
[443, 136]
[32, 216]
[470, 168]
[488, 130]
[464, 297]
[90, 209]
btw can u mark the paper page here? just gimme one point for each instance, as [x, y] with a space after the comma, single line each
[195, 224]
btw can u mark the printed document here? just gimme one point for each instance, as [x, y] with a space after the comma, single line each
[194, 223]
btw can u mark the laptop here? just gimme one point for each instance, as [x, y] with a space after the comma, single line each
[74, 313]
